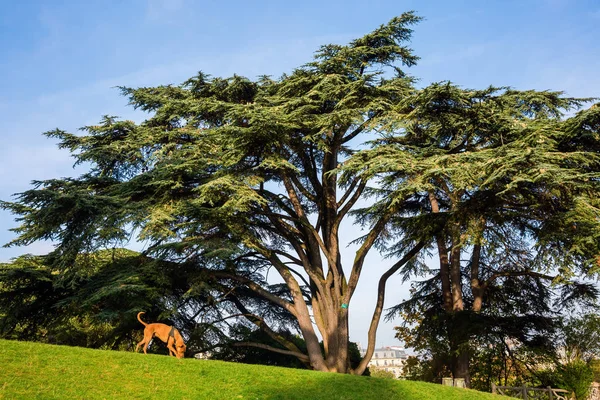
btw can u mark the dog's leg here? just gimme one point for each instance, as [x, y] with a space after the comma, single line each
[145, 342]
[137, 348]
[171, 347]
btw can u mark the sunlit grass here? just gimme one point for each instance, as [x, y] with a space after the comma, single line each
[37, 371]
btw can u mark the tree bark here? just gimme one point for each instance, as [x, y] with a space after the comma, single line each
[455, 275]
[461, 365]
[443, 258]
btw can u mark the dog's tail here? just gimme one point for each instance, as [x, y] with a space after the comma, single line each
[139, 319]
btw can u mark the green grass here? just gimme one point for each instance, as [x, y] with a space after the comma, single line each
[38, 371]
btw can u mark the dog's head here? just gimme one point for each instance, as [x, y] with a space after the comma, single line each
[180, 350]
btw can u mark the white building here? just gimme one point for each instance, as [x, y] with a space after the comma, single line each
[390, 359]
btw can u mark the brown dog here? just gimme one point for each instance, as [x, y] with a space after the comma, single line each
[166, 333]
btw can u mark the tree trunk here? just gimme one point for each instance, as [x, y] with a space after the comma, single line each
[455, 273]
[459, 340]
[443, 258]
[462, 363]
[337, 355]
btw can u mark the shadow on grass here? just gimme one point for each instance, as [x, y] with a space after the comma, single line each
[332, 386]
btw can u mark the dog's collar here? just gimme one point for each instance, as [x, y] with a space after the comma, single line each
[172, 332]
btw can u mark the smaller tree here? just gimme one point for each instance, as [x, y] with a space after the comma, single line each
[579, 338]
[94, 303]
[575, 376]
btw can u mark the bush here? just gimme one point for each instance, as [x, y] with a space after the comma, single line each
[577, 377]
[380, 373]
[595, 366]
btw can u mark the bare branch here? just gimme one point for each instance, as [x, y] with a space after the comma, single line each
[379, 306]
[258, 290]
[359, 129]
[302, 188]
[289, 256]
[348, 191]
[351, 201]
[299, 276]
[361, 253]
[300, 211]
[263, 326]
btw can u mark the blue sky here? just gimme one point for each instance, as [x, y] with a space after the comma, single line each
[60, 61]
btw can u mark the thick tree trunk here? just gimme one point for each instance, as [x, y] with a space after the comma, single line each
[336, 356]
[460, 349]
[461, 364]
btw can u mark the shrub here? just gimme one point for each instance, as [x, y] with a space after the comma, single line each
[577, 377]
[380, 373]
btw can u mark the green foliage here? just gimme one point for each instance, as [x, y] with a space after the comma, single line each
[595, 366]
[92, 305]
[381, 373]
[579, 337]
[229, 178]
[497, 184]
[32, 370]
[577, 377]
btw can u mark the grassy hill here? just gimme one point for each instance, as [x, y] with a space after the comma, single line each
[38, 371]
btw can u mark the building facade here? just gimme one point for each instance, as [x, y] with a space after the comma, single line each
[390, 359]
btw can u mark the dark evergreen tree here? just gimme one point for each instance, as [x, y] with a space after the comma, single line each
[237, 177]
[504, 192]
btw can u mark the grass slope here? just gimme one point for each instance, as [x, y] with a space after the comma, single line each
[39, 371]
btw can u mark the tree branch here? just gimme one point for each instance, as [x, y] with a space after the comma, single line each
[379, 305]
[361, 253]
[359, 129]
[302, 188]
[351, 201]
[263, 326]
[300, 211]
[347, 193]
[310, 170]
[533, 274]
[259, 290]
